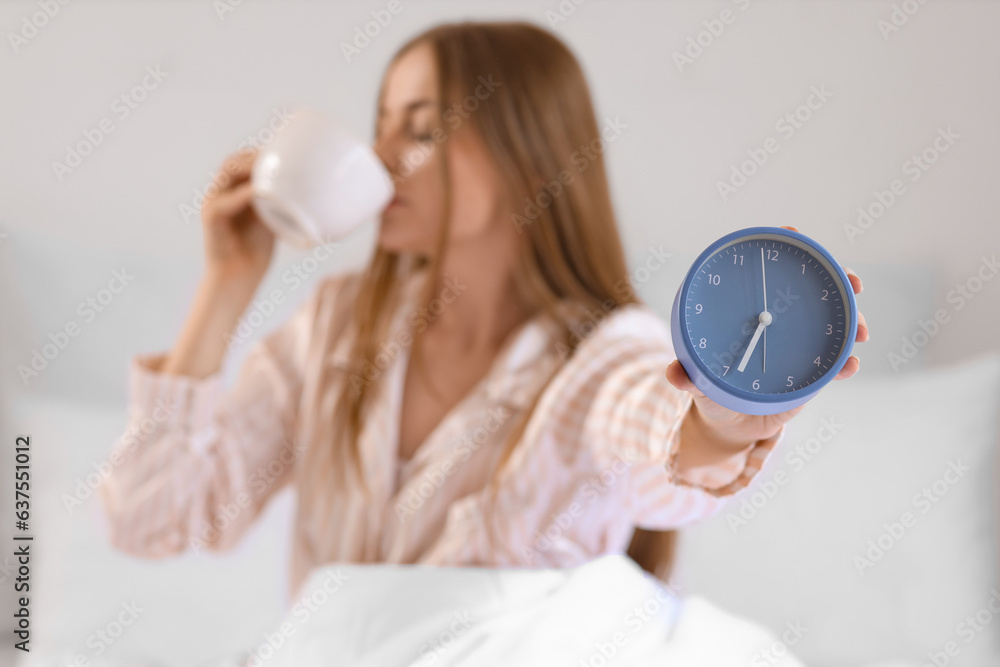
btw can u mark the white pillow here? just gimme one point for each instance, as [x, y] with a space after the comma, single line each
[802, 554]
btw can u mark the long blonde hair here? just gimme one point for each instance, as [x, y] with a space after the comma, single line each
[532, 124]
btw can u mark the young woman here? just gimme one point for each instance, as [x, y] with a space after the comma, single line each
[544, 419]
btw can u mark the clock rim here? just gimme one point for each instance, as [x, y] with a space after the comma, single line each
[740, 399]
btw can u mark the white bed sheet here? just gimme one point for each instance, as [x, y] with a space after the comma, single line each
[606, 612]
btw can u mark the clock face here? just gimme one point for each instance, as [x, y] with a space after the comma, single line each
[767, 315]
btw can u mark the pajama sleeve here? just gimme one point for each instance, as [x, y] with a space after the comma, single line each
[631, 413]
[197, 462]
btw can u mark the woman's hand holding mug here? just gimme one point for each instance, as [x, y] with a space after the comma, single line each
[312, 184]
[238, 245]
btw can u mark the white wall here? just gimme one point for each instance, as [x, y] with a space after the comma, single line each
[685, 131]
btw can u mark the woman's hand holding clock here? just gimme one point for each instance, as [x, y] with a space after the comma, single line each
[710, 431]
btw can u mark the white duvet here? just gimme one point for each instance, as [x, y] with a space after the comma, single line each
[607, 612]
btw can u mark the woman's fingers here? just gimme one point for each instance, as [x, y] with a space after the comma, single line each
[863, 334]
[241, 164]
[856, 283]
[678, 377]
[235, 171]
[850, 368]
[228, 203]
[236, 168]
[853, 364]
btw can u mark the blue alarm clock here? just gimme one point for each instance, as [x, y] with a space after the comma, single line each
[764, 318]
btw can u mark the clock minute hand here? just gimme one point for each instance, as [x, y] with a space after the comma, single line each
[763, 320]
[763, 278]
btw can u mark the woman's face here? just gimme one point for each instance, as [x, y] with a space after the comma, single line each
[406, 141]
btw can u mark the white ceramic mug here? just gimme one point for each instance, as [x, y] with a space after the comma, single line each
[315, 182]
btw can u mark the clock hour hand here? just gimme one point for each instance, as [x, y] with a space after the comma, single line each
[763, 320]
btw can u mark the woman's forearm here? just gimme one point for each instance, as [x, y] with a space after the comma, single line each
[702, 444]
[201, 345]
